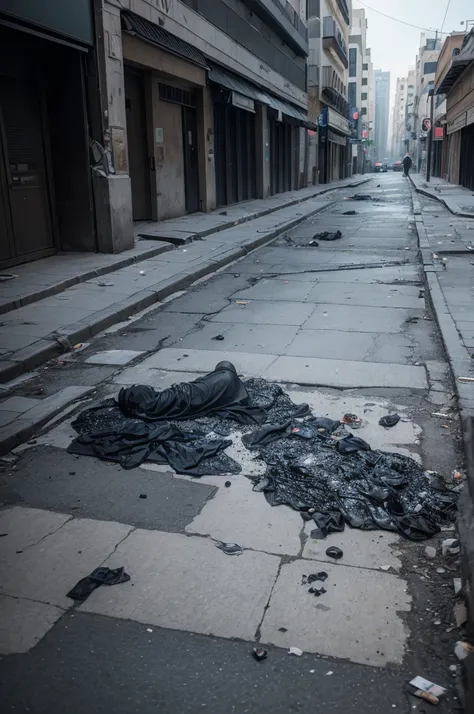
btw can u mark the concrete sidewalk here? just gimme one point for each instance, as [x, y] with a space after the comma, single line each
[81, 306]
[49, 276]
[458, 200]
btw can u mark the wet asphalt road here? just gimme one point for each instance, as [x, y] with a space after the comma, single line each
[340, 302]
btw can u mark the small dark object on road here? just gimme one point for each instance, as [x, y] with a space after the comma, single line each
[389, 420]
[282, 629]
[421, 294]
[362, 197]
[322, 575]
[317, 534]
[329, 522]
[350, 213]
[228, 484]
[72, 473]
[318, 590]
[99, 576]
[378, 185]
[326, 235]
[143, 495]
[236, 275]
[313, 244]
[412, 320]
[219, 338]
[352, 420]
[334, 552]
[230, 548]
[259, 653]
[2, 535]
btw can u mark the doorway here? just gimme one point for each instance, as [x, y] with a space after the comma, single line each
[191, 167]
[25, 220]
[138, 159]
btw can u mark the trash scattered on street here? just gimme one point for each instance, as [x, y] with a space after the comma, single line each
[458, 475]
[430, 551]
[80, 347]
[457, 585]
[242, 302]
[327, 236]
[466, 379]
[295, 651]
[424, 685]
[142, 272]
[460, 614]
[385, 567]
[462, 650]
[350, 213]
[148, 629]
[228, 484]
[352, 420]
[99, 576]
[334, 552]
[259, 653]
[143, 495]
[427, 696]
[313, 244]
[362, 197]
[328, 674]
[450, 546]
[230, 548]
[219, 338]
[389, 420]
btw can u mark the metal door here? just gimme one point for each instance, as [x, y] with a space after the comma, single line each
[191, 168]
[25, 223]
[138, 159]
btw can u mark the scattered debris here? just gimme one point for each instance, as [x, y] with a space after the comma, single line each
[229, 548]
[148, 629]
[295, 651]
[219, 338]
[327, 236]
[80, 347]
[430, 551]
[236, 275]
[313, 244]
[328, 674]
[242, 302]
[385, 567]
[460, 614]
[462, 650]
[362, 197]
[427, 696]
[334, 552]
[228, 484]
[457, 585]
[352, 420]
[441, 571]
[7, 276]
[143, 495]
[142, 272]
[259, 653]
[103, 284]
[458, 475]
[99, 576]
[450, 546]
[466, 379]
[442, 415]
[427, 687]
[421, 293]
[350, 213]
[389, 420]
[282, 629]
[453, 668]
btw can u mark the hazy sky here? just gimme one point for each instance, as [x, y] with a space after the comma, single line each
[394, 46]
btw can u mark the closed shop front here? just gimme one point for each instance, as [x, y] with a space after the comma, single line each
[45, 184]
[334, 151]
[466, 169]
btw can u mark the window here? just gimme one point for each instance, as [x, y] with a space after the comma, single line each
[363, 111]
[352, 62]
[365, 65]
[365, 82]
[430, 67]
[364, 96]
[352, 95]
[313, 8]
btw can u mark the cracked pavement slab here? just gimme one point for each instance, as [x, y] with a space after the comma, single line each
[191, 615]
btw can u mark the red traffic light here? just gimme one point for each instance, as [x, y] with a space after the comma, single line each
[355, 116]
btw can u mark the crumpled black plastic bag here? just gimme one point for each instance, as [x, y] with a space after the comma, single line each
[329, 522]
[99, 576]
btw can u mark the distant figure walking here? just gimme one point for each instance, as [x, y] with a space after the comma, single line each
[407, 164]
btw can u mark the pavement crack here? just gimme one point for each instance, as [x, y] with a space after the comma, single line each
[132, 529]
[258, 631]
[32, 545]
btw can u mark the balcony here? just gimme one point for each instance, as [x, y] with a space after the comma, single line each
[334, 41]
[451, 63]
[333, 91]
[342, 5]
[284, 20]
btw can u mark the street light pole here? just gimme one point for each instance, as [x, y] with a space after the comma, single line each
[430, 139]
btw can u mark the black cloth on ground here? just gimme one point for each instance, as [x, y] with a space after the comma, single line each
[99, 576]
[219, 392]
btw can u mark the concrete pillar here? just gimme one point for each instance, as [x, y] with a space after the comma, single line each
[113, 195]
[262, 151]
[206, 154]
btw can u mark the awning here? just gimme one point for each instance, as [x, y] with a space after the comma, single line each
[148, 31]
[232, 81]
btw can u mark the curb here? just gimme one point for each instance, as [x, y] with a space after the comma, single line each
[460, 364]
[153, 252]
[59, 342]
[450, 205]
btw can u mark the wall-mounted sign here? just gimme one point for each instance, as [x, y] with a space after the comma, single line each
[438, 133]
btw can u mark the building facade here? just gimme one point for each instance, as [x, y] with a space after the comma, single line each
[399, 119]
[382, 107]
[357, 87]
[175, 106]
[455, 85]
[46, 193]
[410, 135]
[368, 110]
[328, 29]
[426, 66]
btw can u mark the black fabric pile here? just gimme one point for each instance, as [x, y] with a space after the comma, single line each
[314, 464]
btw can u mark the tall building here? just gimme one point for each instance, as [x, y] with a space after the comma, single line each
[399, 119]
[191, 104]
[361, 93]
[328, 62]
[382, 107]
[410, 112]
[426, 66]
